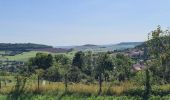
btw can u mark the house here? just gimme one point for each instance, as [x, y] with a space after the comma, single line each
[136, 53]
[137, 67]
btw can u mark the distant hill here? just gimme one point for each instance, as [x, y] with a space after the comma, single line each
[130, 43]
[90, 45]
[105, 48]
[9, 49]
[21, 46]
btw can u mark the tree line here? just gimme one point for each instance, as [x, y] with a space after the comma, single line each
[21, 46]
[84, 67]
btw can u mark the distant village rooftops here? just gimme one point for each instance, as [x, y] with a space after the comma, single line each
[137, 67]
[135, 53]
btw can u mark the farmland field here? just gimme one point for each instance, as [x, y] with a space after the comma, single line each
[26, 55]
[22, 57]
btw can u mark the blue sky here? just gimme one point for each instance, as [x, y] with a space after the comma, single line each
[76, 22]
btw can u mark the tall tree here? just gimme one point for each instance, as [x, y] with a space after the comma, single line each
[158, 47]
[88, 68]
[123, 65]
[104, 63]
[78, 60]
[42, 61]
[65, 62]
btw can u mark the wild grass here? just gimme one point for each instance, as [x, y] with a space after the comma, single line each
[80, 88]
[123, 91]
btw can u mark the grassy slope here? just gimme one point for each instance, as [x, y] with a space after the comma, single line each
[26, 55]
[22, 57]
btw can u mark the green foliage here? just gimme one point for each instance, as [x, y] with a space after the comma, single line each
[139, 78]
[62, 59]
[74, 74]
[104, 63]
[53, 74]
[88, 67]
[78, 60]
[123, 65]
[159, 47]
[42, 60]
[147, 84]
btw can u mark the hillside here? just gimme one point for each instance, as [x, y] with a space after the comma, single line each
[21, 46]
[105, 48]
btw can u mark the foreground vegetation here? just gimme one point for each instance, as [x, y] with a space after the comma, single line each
[80, 91]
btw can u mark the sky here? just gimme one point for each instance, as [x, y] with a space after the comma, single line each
[77, 22]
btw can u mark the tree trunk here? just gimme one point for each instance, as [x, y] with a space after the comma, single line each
[49, 82]
[18, 81]
[38, 82]
[147, 85]
[66, 86]
[100, 83]
[0, 84]
[5, 82]
[166, 71]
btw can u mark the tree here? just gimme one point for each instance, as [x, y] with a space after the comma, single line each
[65, 62]
[104, 63]
[53, 73]
[40, 73]
[74, 74]
[147, 76]
[41, 62]
[158, 48]
[78, 60]
[123, 66]
[88, 67]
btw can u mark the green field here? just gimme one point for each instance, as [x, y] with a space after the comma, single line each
[26, 55]
[22, 57]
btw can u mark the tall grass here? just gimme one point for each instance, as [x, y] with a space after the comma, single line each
[58, 88]
[80, 88]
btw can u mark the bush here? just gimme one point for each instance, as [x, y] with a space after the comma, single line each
[135, 92]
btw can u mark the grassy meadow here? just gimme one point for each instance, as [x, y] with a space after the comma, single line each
[77, 91]
[26, 55]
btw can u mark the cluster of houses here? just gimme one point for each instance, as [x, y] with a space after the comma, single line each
[137, 55]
